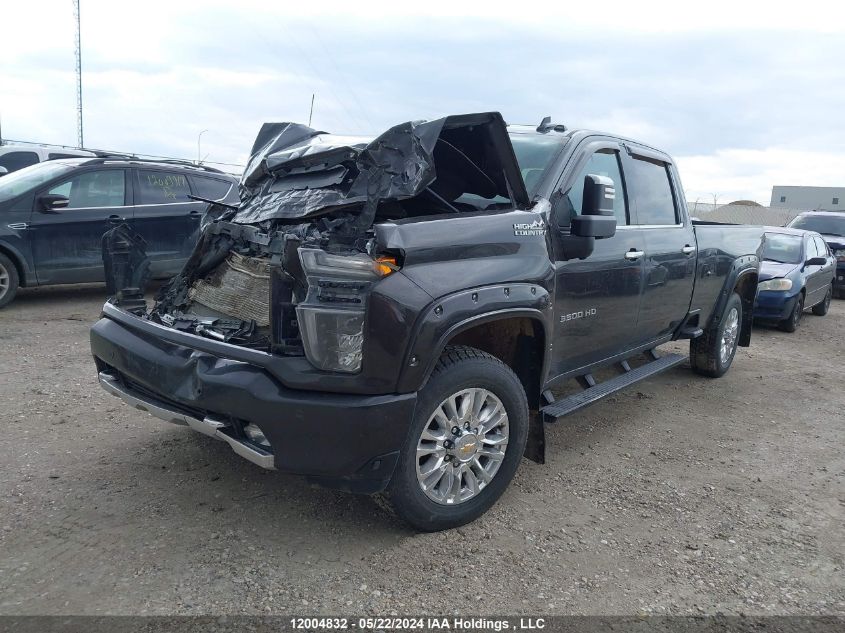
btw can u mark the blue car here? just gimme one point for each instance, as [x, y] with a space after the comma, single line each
[831, 225]
[796, 273]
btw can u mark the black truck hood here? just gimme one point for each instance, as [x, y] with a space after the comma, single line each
[296, 172]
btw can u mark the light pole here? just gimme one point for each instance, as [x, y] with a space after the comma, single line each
[199, 152]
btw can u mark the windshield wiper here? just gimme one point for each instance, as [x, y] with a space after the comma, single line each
[777, 261]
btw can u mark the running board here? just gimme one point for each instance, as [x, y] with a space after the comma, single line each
[595, 392]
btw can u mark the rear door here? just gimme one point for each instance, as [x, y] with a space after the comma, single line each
[597, 299]
[166, 217]
[67, 243]
[669, 263]
[818, 277]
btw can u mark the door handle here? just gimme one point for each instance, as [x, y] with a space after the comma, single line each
[115, 219]
[688, 250]
[195, 215]
[634, 254]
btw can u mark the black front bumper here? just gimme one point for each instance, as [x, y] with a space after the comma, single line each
[343, 441]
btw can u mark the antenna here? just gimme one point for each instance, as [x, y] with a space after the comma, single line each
[78, 53]
[310, 114]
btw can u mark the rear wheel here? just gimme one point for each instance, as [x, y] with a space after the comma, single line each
[712, 353]
[820, 309]
[465, 444]
[790, 324]
[8, 280]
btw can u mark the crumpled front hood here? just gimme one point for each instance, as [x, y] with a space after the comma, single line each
[297, 172]
[773, 270]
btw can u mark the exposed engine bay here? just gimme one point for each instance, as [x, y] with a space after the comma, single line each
[289, 270]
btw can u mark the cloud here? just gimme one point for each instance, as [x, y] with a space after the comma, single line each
[156, 75]
[734, 174]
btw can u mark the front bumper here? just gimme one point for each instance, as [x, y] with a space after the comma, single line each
[345, 441]
[774, 305]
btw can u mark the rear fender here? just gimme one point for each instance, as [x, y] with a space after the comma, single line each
[742, 279]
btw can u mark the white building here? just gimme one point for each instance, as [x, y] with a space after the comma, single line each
[809, 198]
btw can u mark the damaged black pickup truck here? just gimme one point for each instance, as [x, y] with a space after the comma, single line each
[395, 315]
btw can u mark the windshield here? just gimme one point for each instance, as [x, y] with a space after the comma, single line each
[29, 178]
[534, 153]
[782, 248]
[825, 224]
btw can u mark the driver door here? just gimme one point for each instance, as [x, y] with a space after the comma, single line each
[597, 299]
[67, 243]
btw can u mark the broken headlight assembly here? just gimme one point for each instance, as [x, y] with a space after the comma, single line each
[331, 319]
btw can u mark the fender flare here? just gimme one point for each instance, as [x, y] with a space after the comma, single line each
[742, 267]
[452, 314]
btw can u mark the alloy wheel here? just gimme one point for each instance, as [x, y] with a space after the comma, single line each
[462, 446]
[4, 280]
[729, 336]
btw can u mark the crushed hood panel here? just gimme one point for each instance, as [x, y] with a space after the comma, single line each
[297, 172]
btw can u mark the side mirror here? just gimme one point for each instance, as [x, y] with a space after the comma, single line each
[3, 171]
[50, 202]
[597, 219]
[816, 261]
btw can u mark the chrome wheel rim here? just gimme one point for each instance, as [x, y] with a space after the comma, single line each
[729, 335]
[462, 446]
[4, 281]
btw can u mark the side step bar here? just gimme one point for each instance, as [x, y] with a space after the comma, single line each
[595, 392]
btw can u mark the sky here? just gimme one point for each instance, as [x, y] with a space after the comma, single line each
[744, 95]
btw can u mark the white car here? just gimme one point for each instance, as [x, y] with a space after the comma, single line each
[14, 157]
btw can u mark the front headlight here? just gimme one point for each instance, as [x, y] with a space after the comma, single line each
[775, 284]
[839, 253]
[331, 319]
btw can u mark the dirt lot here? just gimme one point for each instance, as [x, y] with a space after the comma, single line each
[682, 495]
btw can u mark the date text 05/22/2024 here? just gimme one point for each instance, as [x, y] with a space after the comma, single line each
[420, 623]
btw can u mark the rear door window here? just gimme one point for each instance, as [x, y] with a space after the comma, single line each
[13, 161]
[162, 187]
[106, 188]
[652, 190]
[210, 188]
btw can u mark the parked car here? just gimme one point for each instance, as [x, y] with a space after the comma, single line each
[53, 216]
[831, 225]
[393, 315]
[16, 156]
[796, 273]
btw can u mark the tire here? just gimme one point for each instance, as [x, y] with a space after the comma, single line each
[9, 280]
[707, 356]
[790, 324]
[820, 309]
[425, 491]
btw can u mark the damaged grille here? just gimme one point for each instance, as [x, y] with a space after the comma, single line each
[239, 288]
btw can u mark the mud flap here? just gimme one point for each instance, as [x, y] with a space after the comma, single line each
[535, 447]
[127, 268]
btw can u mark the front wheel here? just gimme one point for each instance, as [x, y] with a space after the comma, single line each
[712, 353]
[820, 309]
[790, 324]
[465, 444]
[8, 280]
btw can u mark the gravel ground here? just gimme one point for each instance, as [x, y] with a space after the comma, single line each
[682, 495]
